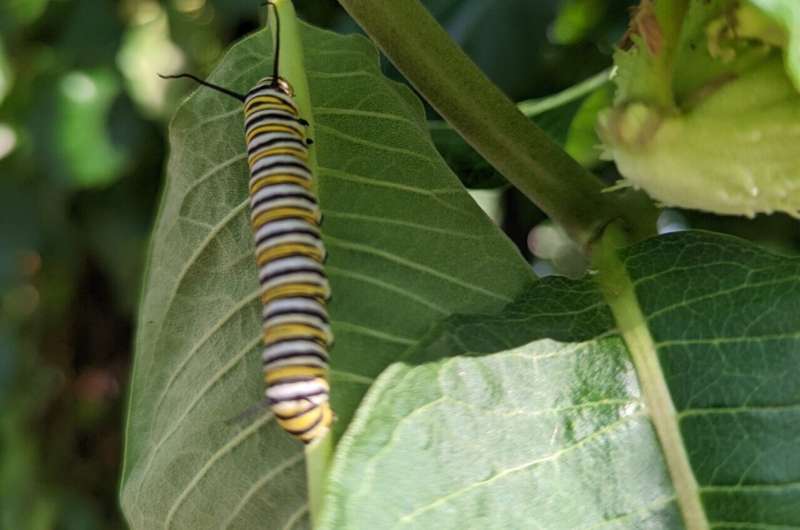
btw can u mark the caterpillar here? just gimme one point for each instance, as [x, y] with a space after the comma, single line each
[285, 219]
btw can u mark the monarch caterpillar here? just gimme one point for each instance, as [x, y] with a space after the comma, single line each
[285, 218]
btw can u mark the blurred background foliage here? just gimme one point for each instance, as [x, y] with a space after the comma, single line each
[83, 120]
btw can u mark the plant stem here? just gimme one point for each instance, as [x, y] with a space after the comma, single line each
[620, 294]
[292, 69]
[318, 457]
[534, 107]
[423, 51]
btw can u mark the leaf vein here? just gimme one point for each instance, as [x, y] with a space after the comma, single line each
[358, 247]
[400, 222]
[407, 518]
[222, 451]
[336, 271]
[375, 145]
[742, 287]
[260, 483]
[363, 330]
[211, 382]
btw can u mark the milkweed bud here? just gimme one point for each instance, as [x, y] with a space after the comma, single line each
[707, 113]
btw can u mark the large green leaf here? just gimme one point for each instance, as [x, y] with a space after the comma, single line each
[407, 249]
[674, 406]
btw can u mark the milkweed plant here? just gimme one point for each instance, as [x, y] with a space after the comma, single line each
[657, 389]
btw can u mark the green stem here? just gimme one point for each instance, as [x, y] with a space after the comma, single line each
[534, 107]
[292, 69]
[427, 56]
[318, 457]
[620, 294]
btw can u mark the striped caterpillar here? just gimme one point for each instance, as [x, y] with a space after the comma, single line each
[285, 218]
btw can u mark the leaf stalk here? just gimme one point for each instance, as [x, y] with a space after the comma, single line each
[292, 68]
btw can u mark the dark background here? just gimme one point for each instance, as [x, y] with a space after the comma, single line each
[82, 145]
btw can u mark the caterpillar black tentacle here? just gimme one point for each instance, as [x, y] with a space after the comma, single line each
[285, 219]
[199, 81]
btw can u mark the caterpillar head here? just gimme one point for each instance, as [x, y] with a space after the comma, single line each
[281, 84]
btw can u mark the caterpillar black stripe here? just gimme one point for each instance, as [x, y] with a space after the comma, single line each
[285, 218]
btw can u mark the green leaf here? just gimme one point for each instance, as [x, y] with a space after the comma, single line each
[407, 249]
[548, 414]
[582, 141]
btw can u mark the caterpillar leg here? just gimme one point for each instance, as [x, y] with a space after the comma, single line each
[305, 123]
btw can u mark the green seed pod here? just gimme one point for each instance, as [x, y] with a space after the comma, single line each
[725, 134]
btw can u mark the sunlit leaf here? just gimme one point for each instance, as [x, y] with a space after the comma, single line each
[537, 418]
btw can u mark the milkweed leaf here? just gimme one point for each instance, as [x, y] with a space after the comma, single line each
[407, 248]
[535, 417]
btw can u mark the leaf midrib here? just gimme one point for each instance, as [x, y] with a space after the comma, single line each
[619, 292]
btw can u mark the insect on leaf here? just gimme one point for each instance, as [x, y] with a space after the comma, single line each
[407, 249]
